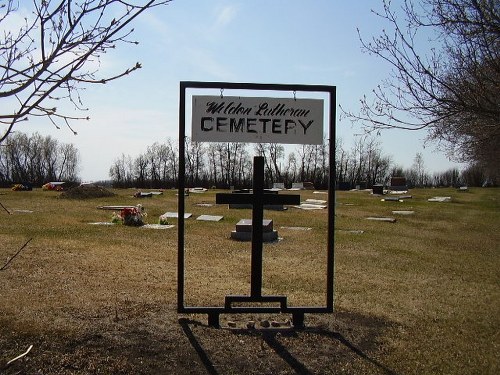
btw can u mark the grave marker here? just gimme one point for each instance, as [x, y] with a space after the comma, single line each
[209, 218]
[244, 229]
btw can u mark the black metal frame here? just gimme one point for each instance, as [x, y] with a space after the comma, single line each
[297, 312]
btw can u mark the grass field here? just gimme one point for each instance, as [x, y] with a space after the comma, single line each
[418, 296]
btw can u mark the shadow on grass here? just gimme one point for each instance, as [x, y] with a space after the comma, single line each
[270, 338]
[293, 338]
[354, 349]
[205, 359]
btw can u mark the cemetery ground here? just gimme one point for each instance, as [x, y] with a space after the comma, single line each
[417, 296]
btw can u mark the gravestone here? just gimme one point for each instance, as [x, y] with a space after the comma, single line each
[243, 231]
[209, 218]
[440, 199]
[344, 186]
[175, 215]
[398, 184]
[392, 199]
[279, 185]
[308, 185]
[378, 189]
[403, 212]
[384, 219]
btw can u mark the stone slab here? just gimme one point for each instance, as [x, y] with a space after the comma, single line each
[157, 226]
[198, 190]
[385, 219]
[210, 218]
[391, 199]
[352, 231]
[114, 208]
[316, 201]
[175, 215]
[309, 206]
[440, 199]
[403, 212]
[296, 228]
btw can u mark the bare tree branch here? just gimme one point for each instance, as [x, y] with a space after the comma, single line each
[51, 55]
[445, 59]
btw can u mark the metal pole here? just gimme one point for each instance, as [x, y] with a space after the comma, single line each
[331, 205]
[180, 200]
[257, 217]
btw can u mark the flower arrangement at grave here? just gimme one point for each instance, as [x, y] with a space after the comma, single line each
[21, 187]
[50, 186]
[131, 216]
[162, 220]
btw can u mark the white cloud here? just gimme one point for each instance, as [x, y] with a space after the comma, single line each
[224, 16]
[204, 62]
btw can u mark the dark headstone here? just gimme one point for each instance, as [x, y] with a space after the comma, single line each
[344, 186]
[398, 184]
[308, 185]
[398, 181]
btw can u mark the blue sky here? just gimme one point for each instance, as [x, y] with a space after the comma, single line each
[279, 41]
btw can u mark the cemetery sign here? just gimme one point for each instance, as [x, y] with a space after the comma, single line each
[257, 119]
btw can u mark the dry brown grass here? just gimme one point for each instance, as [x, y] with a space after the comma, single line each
[419, 296]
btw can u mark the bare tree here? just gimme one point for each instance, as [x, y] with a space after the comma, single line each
[68, 163]
[445, 59]
[291, 169]
[194, 161]
[420, 177]
[272, 153]
[121, 171]
[37, 159]
[56, 51]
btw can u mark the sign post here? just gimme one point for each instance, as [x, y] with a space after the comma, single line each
[258, 120]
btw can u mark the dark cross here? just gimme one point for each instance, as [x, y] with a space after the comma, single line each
[257, 199]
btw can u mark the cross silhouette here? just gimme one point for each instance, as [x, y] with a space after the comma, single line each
[258, 198]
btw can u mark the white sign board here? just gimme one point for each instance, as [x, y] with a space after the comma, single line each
[257, 120]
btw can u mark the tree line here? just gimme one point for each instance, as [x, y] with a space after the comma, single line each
[223, 165]
[36, 160]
